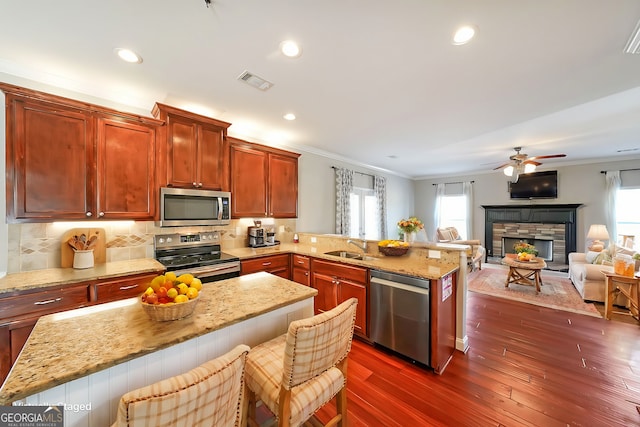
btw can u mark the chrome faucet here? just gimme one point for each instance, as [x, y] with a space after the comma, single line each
[363, 247]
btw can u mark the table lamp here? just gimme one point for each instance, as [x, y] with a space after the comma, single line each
[597, 232]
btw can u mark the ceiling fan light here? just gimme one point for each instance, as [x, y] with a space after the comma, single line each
[508, 171]
[529, 167]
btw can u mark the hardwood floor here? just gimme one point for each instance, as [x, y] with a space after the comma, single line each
[526, 366]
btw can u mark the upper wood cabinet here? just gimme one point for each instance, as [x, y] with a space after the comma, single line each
[67, 160]
[264, 181]
[196, 150]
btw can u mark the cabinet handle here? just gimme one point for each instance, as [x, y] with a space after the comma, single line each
[264, 264]
[126, 288]
[49, 301]
[101, 214]
[88, 214]
[306, 273]
[300, 262]
[200, 185]
[195, 184]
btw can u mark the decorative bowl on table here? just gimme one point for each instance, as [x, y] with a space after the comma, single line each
[393, 247]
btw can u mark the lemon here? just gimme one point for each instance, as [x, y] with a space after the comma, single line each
[182, 288]
[172, 293]
[186, 278]
[149, 291]
[170, 276]
[180, 299]
[192, 293]
[157, 282]
[196, 283]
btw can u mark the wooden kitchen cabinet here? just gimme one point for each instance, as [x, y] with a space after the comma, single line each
[113, 290]
[68, 160]
[196, 150]
[274, 264]
[336, 283]
[264, 181]
[301, 269]
[20, 312]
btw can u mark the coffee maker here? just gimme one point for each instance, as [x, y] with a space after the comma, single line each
[257, 235]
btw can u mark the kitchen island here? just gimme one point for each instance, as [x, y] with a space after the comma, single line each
[87, 358]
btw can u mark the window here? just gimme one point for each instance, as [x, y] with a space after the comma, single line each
[453, 213]
[364, 214]
[627, 218]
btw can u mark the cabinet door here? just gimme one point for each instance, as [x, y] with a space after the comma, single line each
[50, 161]
[283, 186]
[327, 297]
[300, 269]
[121, 289]
[212, 159]
[126, 170]
[248, 182]
[13, 336]
[348, 290]
[181, 152]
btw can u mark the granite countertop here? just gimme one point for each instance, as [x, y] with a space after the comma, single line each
[54, 355]
[65, 276]
[414, 263]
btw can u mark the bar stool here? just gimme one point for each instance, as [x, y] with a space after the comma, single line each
[297, 373]
[210, 395]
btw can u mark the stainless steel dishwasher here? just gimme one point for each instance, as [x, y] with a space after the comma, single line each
[399, 310]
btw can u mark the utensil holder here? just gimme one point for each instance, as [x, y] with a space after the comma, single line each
[83, 259]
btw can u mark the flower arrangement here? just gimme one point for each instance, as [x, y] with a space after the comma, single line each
[410, 225]
[523, 247]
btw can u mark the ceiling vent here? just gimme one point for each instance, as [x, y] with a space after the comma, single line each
[255, 81]
[633, 44]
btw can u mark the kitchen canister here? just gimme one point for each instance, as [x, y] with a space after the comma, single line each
[83, 259]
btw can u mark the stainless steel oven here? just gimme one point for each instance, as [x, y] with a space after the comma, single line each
[198, 254]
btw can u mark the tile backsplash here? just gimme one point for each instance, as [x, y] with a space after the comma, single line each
[38, 246]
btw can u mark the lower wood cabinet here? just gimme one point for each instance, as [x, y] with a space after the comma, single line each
[336, 283]
[275, 264]
[301, 269]
[114, 290]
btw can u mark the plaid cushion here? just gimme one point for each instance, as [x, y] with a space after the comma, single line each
[209, 395]
[303, 361]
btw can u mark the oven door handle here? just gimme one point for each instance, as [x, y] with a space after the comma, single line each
[208, 271]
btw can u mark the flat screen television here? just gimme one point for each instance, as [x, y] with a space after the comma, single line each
[535, 185]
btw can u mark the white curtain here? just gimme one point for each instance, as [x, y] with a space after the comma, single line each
[467, 192]
[436, 213]
[380, 190]
[613, 183]
[344, 187]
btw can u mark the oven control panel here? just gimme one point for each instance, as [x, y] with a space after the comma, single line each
[177, 240]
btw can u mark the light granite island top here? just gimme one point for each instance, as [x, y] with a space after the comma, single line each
[73, 344]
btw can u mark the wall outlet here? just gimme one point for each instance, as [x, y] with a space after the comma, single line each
[281, 229]
[434, 254]
[314, 240]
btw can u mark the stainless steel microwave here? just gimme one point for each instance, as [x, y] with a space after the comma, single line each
[184, 207]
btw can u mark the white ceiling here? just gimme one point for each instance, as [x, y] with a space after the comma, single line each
[378, 83]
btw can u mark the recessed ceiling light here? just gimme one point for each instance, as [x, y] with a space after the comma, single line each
[290, 49]
[463, 35]
[289, 116]
[128, 55]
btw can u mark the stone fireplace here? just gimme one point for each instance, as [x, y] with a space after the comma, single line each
[551, 228]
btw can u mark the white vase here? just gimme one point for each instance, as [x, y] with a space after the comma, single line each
[409, 237]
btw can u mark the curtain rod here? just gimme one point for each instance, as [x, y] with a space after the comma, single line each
[359, 173]
[457, 182]
[623, 170]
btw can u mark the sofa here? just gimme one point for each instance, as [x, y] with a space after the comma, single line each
[475, 255]
[586, 272]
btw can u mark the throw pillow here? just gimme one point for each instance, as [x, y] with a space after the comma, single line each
[590, 256]
[603, 258]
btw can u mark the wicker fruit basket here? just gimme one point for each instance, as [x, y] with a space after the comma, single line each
[166, 312]
[393, 250]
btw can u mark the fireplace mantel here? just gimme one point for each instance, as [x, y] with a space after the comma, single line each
[545, 214]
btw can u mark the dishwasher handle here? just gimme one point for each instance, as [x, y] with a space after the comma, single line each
[398, 285]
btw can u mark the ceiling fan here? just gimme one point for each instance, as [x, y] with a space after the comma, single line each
[522, 163]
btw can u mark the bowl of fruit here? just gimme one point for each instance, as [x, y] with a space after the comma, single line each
[393, 247]
[171, 298]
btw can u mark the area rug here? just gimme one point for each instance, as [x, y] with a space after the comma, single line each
[557, 291]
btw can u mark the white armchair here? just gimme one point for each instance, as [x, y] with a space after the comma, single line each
[475, 255]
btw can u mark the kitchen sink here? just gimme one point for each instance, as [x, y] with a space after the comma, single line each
[351, 255]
